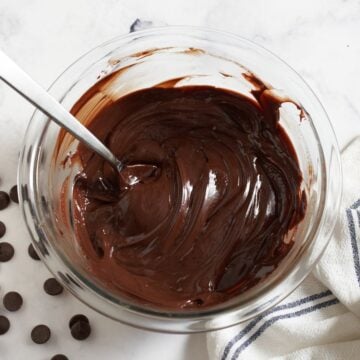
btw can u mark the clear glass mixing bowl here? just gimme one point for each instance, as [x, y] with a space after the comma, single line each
[199, 57]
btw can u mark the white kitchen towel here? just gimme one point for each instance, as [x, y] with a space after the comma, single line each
[321, 318]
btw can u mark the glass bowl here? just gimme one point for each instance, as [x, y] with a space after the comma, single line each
[197, 56]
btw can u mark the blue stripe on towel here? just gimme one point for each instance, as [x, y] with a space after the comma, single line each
[274, 319]
[354, 245]
[355, 205]
[254, 322]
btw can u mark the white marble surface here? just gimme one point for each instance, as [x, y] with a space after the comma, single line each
[320, 39]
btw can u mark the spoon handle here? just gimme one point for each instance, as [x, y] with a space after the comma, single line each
[22, 83]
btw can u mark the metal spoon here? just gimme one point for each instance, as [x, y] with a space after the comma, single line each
[21, 82]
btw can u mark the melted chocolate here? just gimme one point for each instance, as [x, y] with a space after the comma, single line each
[212, 188]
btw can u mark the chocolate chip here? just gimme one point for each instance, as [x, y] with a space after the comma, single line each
[40, 334]
[81, 330]
[12, 301]
[4, 325]
[6, 251]
[32, 253]
[2, 229]
[59, 357]
[77, 318]
[14, 196]
[53, 287]
[4, 200]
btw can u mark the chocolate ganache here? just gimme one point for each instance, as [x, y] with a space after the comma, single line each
[207, 202]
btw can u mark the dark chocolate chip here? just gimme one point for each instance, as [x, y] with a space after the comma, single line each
[6, 251]
[32, 253]
[2, 229]
[4, 200]
[14, 196]
[4, 325]
[59, 357]
[40, 334]
[53, 287]
[80, 330]
[77, 318]
[12, 301]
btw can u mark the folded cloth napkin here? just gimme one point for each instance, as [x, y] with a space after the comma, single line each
[321, 318]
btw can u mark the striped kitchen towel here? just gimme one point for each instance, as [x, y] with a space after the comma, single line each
[321, 318]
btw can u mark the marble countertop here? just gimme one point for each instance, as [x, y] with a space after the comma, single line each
[319, 39]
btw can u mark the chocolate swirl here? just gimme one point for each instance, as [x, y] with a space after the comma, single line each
[212, 189]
